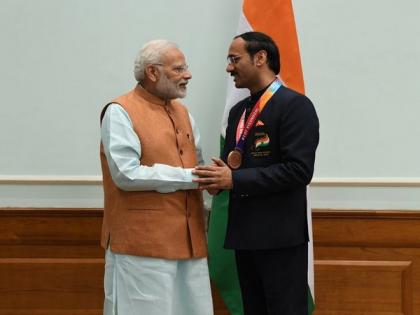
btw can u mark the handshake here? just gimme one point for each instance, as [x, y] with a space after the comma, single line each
[214, 177]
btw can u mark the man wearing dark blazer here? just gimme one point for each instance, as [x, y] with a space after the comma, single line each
[267, 173]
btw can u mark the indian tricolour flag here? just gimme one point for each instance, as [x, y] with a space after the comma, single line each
[276, 19]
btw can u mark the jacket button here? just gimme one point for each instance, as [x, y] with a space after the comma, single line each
[177, 130]
[181, 152]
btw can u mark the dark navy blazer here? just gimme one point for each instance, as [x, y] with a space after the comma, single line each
[267, 207]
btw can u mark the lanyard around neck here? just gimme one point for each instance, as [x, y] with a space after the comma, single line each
[243, 128]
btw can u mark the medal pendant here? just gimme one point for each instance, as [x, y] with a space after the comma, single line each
[234, 159]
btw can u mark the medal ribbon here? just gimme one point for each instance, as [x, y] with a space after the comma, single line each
[243, 129]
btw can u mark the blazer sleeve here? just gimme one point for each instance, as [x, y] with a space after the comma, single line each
[299, 130]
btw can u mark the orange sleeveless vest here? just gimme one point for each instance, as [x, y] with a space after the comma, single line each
[148, 223]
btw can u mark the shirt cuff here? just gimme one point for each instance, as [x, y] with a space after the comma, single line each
[189, 176]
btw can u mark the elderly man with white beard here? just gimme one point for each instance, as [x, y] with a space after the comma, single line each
[153, 227]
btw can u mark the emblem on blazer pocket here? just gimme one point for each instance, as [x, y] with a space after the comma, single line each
[262, 141]
[261, 145]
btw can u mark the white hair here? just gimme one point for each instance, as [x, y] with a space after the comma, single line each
[150, 53]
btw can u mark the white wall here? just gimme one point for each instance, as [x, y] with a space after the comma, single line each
[361, 61]
[62, 60]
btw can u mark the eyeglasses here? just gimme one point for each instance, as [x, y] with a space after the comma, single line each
[178, 70]
[233, 59]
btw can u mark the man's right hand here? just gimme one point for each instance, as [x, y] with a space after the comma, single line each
[213, 177]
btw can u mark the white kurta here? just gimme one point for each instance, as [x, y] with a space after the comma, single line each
[143, 285]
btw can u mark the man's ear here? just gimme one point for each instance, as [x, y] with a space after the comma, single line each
[260, 58]
[152, 73]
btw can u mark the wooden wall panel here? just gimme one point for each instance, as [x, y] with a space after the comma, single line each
[366, 262]
[51, 262]
[368, 287]
[50, 233]
[40, 283]
[218, 304]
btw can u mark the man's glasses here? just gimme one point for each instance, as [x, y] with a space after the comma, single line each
[178, 70]
[233, 59]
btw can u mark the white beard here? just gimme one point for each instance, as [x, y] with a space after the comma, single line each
[168, 89]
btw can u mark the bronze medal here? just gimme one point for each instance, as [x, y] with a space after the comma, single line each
[234, 159]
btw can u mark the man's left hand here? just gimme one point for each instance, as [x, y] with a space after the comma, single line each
[214, 177]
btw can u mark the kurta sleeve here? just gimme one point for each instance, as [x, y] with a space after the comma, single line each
[122, 149]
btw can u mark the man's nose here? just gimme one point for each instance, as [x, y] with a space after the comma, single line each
[187, 75]
[229, 67]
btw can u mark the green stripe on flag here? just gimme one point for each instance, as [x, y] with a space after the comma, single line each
[311, 304]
